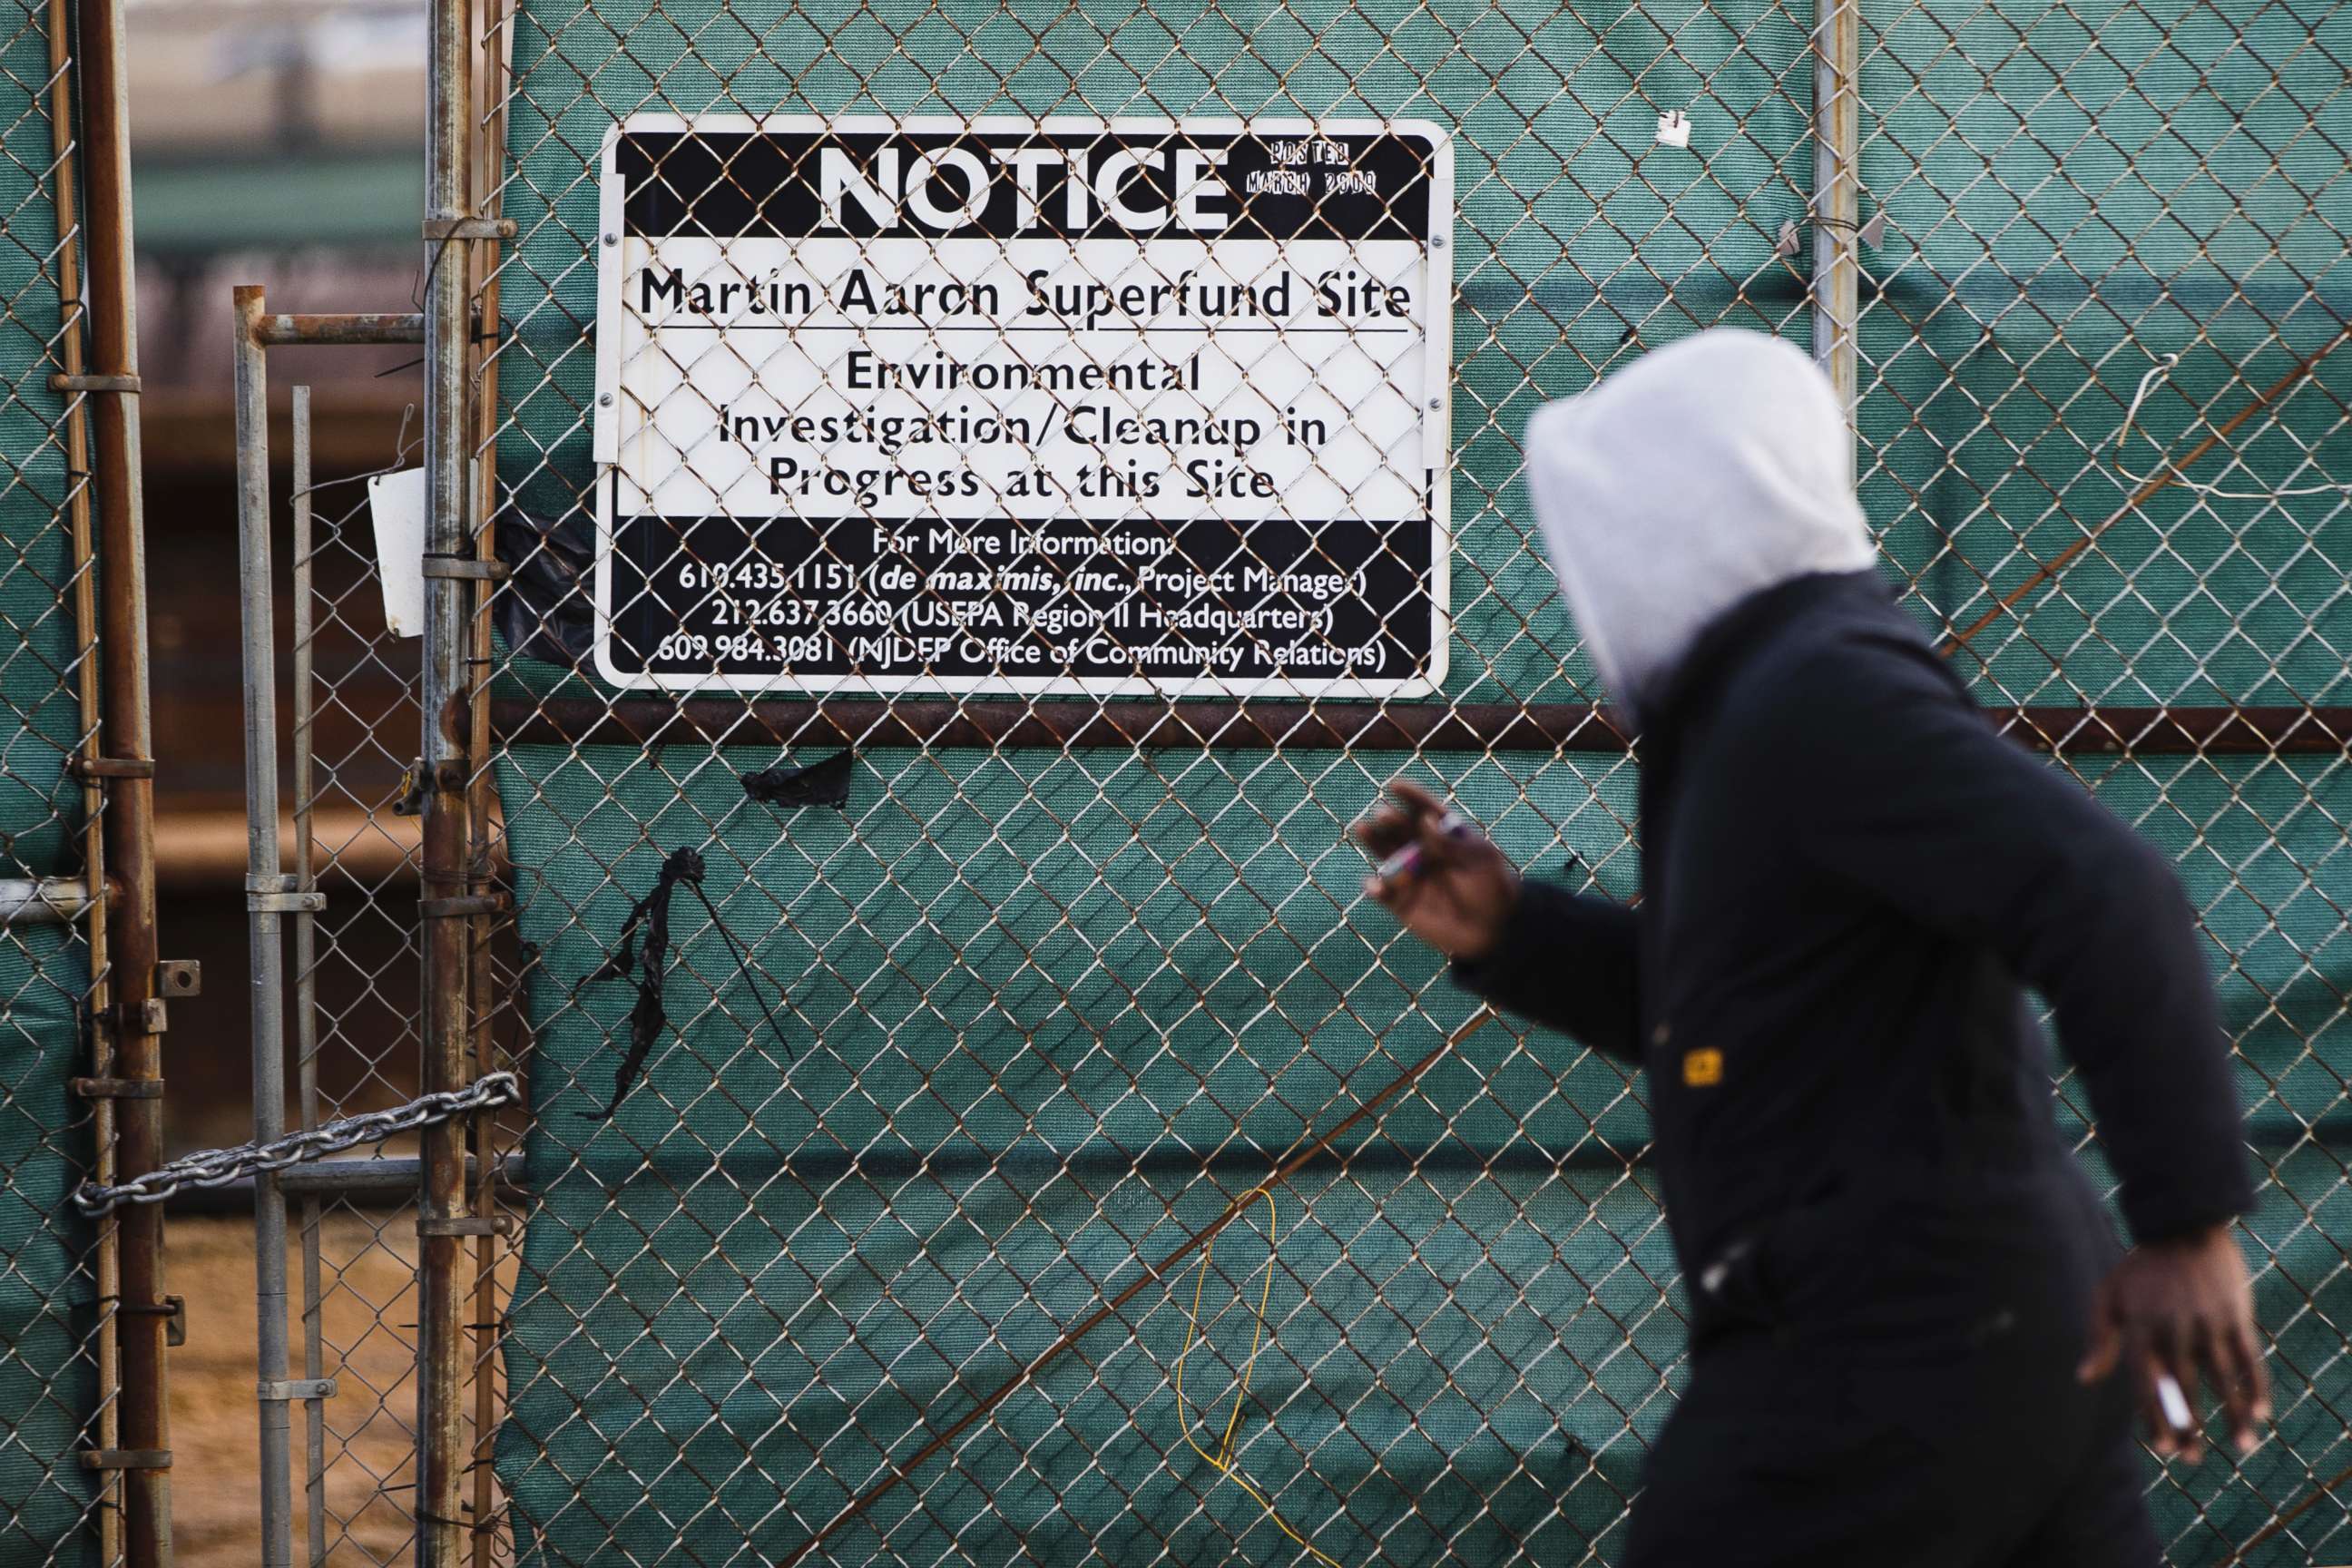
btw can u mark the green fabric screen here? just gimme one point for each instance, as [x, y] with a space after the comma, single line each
[48, 1296]
[1044, 1013]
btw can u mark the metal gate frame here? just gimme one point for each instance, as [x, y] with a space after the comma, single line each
[127, 1001]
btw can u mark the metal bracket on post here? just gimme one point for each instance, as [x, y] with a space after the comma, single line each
[465, 568]
[418, 782]
[465, 907]
[180, 977]
[465, 1225]
[97, 770]
[173, 1311]
[126, 1458]
[282, 1391]
[121, 385]
[445, 228]
[280, 896]
[148, 1016]
[116, 1087]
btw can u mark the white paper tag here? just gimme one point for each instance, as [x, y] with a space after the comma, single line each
[396, 503]
[1674, 129]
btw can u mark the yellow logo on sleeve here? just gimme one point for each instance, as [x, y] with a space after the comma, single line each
[1703, 1069]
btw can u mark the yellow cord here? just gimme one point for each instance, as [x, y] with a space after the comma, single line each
[1223, 1458]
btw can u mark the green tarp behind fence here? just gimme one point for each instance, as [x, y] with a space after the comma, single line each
[47, 1309]
[1043, 1014]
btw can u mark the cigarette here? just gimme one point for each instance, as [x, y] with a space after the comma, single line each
[1407, 860]
[2177, 1413]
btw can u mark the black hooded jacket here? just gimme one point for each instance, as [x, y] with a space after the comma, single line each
[1849, 883]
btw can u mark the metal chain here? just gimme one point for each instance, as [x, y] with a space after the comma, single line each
[218, 1167]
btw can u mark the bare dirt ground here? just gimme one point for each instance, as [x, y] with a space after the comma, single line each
[367, 1325]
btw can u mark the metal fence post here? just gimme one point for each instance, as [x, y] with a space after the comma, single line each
[268, 894]
[306, 966]
[446, 770]
[1837, 205]
[135, 1009]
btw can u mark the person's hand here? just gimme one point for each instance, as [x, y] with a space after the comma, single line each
[2171, 1309]
[1459, 890]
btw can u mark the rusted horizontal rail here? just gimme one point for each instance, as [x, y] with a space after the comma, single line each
[286, 331]
[641, 721]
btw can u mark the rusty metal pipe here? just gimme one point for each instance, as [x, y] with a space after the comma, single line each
[145, 1420]
[1479, 727]
[288, 331]
[488, 115]
[446, 1013]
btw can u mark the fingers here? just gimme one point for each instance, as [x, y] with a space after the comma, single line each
[2232, 1386]
[2243, 1384]
[2146, 1369]
[1385, 832]
[1389, 828]
[1415, 799]
[2176, 1362]
[2115, 1343]
[1417, 818]
[2175, 1316]
[1438, 846]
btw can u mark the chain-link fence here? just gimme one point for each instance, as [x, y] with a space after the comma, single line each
[954, 597]
[67, 1476]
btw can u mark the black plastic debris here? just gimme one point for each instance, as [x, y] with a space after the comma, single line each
[823, 783]
[649, 967]
[546, 607]
[647, 1018]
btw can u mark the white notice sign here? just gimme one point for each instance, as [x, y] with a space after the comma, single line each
[1017, 406]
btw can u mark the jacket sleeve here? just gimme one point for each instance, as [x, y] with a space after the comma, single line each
[1902, 788]
[1566, 962]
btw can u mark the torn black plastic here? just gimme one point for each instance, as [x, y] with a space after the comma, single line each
[825, 783]
[649, 969]
[546, 607]
[646, 1017]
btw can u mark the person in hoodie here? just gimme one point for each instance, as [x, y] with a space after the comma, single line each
[1914, 1337]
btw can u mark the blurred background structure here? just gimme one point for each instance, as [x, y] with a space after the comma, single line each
[281, 143]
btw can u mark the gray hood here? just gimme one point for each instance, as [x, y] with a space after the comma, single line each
[1701, 474]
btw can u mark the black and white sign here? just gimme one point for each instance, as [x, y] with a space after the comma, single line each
[1021, 405]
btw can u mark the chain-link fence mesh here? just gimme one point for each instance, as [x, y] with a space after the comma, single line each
[2148, 201]
[351, 719]
[855, 1093]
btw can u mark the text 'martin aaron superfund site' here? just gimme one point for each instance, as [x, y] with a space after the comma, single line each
[1020, 407]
